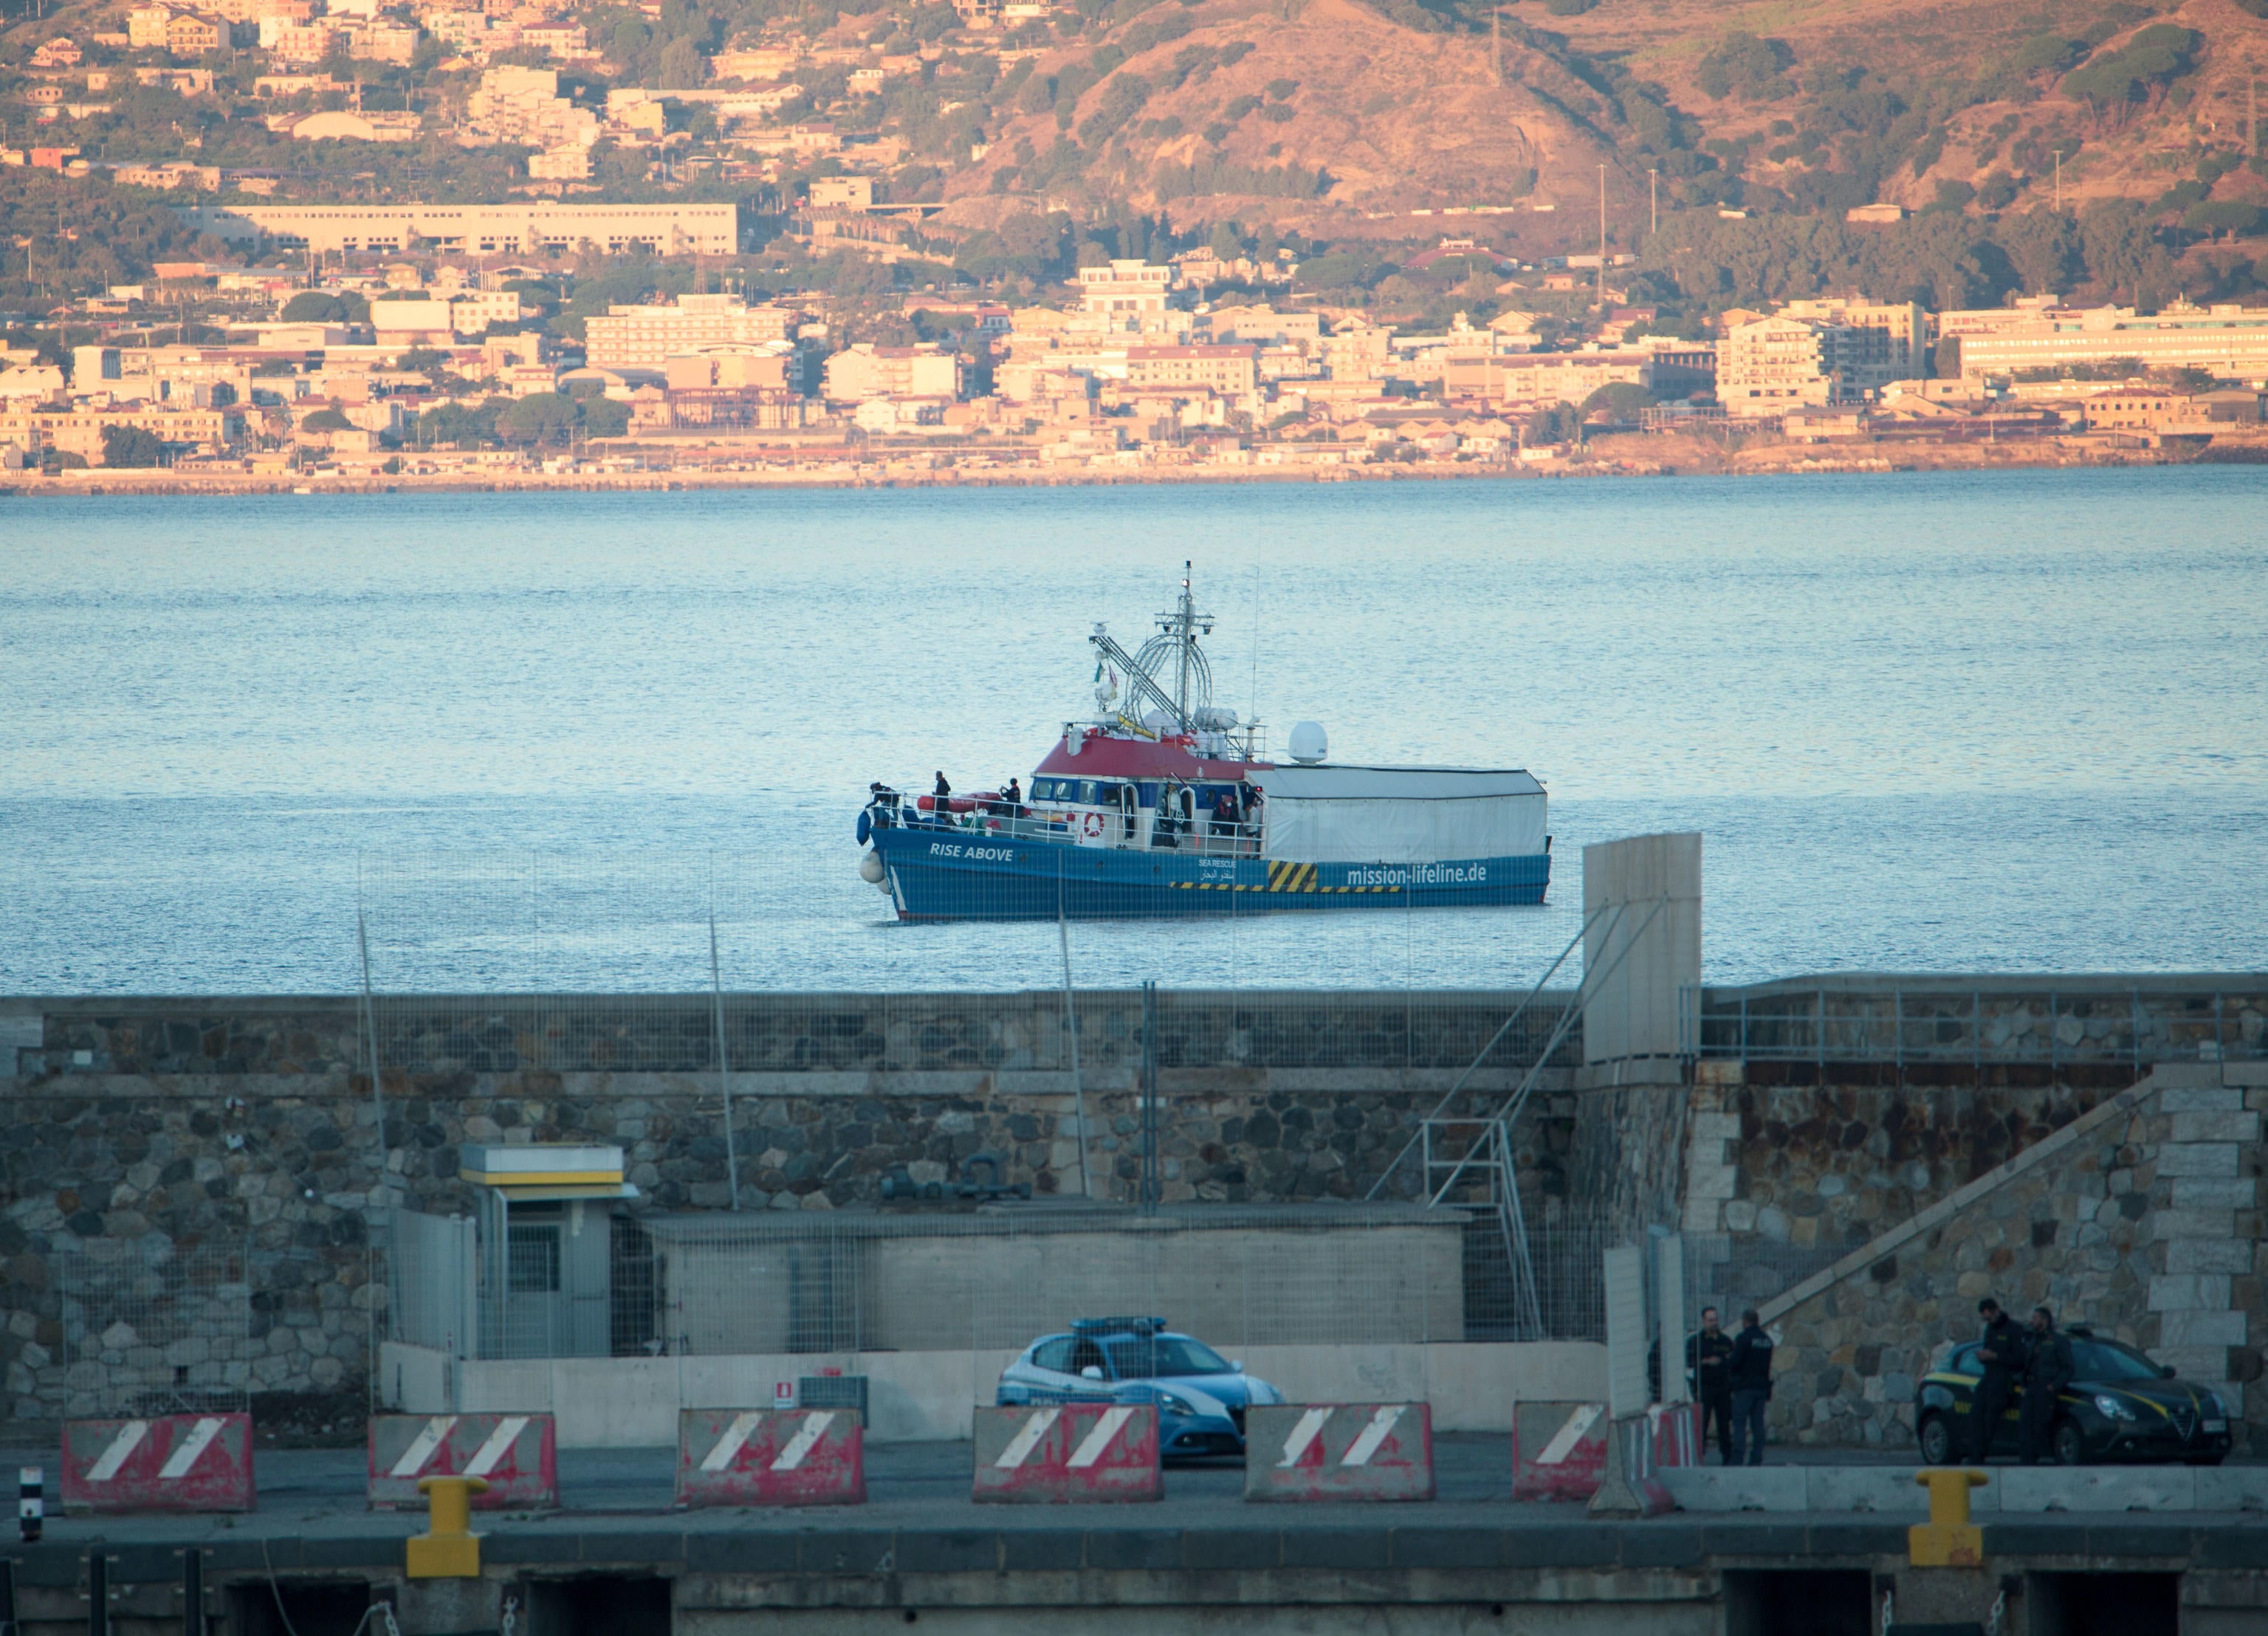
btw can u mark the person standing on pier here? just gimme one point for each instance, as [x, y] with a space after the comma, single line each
[1708, 1365]
[1748, 1374]
[2002, 1354]
[2047, 1371]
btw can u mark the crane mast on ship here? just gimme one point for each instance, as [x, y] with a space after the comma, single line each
[1173, 651]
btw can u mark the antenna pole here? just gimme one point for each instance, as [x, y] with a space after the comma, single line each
[1187, 621]
[1602, 238]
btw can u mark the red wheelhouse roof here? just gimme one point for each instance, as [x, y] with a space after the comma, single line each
[1104, 756]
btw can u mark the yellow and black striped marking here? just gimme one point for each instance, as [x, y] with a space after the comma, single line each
[1282, 877]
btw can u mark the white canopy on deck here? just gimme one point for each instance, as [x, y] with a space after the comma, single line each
[1400, 815]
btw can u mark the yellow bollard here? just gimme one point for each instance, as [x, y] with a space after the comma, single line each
[448, 1549]
[1949, 1539]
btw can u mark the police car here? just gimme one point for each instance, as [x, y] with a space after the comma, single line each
[1201, 1395]
[2119, 1406]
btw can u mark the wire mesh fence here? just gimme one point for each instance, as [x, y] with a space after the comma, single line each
[1921, 1021]
[176, 1334]
[994, 1278]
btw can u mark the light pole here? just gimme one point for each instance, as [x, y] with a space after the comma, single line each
[1602, 238]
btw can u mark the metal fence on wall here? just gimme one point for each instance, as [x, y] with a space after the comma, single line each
[1918, 1021]
[180, 1333]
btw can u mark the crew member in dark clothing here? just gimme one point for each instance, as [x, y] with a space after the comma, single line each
[2047, 1371]
[1708, 1365]
[2002, 1354]
[1224, 816]
[941, 800]
[1748, 1372]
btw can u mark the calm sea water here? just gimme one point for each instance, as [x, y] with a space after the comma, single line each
[2014, 721]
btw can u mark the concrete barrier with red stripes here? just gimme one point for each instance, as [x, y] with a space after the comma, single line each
[1643, 1439]
[167, 1463]
[1072, 1452]
[1339, 1451]
[1677, 1434]
[517, 1454]
[770, 1457]
[1559, 1449]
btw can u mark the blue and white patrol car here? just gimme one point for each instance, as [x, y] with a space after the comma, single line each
[1201, 1395]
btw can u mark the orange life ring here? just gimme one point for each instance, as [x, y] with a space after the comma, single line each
[1093, 824]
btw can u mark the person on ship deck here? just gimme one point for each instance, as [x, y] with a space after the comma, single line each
[1225, 819]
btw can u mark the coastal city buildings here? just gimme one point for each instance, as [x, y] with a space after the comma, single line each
[1123, 364]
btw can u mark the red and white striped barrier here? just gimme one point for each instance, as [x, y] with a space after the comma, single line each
[1559, 1449]
[518, 1455]
[167, 1462]
[1072, 1452]
[1676, 1430]
[1641, 1438]
[1339, 1451]
[770, 1457]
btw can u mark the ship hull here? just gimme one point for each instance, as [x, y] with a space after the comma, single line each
[964, 875]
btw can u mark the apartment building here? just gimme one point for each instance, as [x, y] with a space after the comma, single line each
[1892, 342]
[80, 429]
[2228, 341]
[517, 229]
[843, 193]
[523, 104]
[773, 367]
[1230, 370]
[1130, 294]
[1550, 378]
[1362, 353]
[1773, 365]
[646, 337]
[864, 372]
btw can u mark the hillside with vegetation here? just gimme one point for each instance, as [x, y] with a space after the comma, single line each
[2107, 147]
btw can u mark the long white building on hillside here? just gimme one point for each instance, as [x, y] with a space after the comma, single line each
[518, 229]
[2230, 341]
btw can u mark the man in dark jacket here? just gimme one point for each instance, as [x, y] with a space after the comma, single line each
[2002, 1354]
[2047, 1371]
[1748, 1372]
[1708, 1365]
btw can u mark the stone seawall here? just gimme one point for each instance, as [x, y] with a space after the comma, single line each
[2145, 1223]
[155, 1129]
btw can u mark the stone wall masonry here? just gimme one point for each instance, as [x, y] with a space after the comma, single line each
[1947, 1029]
[2107, 1230]
[262, 1135]
[1420, 1032]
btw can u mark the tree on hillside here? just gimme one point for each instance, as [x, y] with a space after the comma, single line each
[131, 446]
[2137, 74]
[1754, 67]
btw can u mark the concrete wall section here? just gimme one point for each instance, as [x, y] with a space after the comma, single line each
[1644, 948]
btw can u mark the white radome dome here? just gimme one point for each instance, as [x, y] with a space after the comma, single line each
[1308, 741]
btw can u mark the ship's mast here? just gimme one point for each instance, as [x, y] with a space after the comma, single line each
[1182, 625]
[1172, 654]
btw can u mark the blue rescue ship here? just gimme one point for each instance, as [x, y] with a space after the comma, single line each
[1165, 805]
